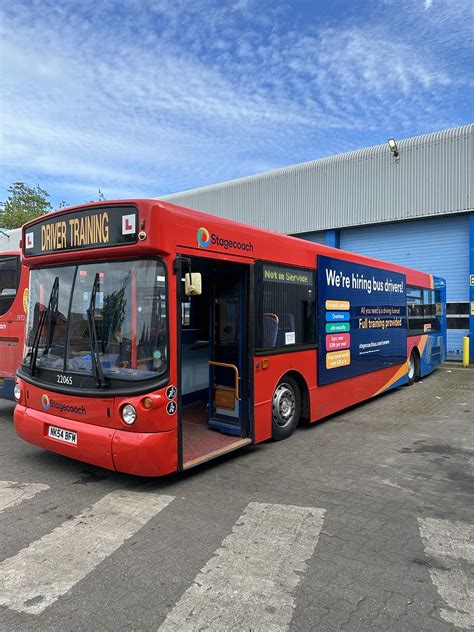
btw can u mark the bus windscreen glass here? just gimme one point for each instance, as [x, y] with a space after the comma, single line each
[111, 314]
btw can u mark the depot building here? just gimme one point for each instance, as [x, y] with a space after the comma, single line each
[409, 202]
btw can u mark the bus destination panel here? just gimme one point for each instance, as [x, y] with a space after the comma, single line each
[362, 319]
[90, 228]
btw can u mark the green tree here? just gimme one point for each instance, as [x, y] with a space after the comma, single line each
[23, 204]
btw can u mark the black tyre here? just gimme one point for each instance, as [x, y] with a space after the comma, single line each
[286, 408]
[413, 368]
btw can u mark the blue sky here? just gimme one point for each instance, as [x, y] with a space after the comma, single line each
[146, 97]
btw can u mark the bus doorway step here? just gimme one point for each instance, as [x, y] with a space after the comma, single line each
[224, 426]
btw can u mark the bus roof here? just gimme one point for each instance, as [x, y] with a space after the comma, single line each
[10, 253]
[184, 222]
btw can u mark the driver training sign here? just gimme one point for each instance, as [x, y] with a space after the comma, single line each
[362, 319]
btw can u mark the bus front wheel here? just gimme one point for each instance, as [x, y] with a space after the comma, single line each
[413, 368]
[286, 408]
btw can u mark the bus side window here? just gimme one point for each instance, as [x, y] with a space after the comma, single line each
[422, 310]
[286, 314]
[270, 330]
[9, 278]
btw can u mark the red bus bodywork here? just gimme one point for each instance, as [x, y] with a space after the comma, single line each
[12, 324]
[151, 447]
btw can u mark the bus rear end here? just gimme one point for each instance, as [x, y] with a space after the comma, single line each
[95, 370]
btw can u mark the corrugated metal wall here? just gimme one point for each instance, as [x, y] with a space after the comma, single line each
[433, 176]
[439, 246]
[316, 238]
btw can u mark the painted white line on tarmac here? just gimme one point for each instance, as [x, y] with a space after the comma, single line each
[457, 590]
[452, 544]
[448, 538]
[248, 583]
[13, 494]
[39, 574]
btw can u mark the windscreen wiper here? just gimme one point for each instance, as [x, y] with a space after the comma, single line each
[53, 300]
[95, 359]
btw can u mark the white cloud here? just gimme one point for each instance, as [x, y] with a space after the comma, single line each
[159, 95]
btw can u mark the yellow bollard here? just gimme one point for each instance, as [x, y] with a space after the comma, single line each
[465, 351]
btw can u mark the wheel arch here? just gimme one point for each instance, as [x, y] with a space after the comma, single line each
[304, 390]
[415, 354]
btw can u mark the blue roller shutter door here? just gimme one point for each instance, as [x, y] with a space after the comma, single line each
[438, 245]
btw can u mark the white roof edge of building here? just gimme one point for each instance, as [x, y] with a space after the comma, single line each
[320, 163]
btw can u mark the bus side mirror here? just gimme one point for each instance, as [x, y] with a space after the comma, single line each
[192, 284]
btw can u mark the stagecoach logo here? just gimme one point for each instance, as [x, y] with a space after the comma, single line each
[48, 403]
[204, 240]
[29, 240]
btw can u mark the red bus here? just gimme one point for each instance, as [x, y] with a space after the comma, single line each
[13, 299]
[159, 337]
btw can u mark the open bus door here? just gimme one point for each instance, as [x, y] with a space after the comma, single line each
[213, 358]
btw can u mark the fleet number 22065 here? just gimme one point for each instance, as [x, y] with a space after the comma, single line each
[64, 379]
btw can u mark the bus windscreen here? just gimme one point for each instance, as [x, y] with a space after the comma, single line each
[124, 333]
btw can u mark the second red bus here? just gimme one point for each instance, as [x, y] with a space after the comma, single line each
[13, 301]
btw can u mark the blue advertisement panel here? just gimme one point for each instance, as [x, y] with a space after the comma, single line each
[361, 317]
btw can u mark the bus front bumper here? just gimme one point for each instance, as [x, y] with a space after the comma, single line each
[138, 453]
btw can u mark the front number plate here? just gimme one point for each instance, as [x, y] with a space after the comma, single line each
[63, 435]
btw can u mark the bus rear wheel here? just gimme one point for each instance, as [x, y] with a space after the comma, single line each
[413, 368]
[286, 408]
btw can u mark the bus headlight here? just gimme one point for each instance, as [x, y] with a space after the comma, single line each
[17, 392]
[129, 414]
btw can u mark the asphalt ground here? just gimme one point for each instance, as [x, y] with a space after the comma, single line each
[361, 522]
